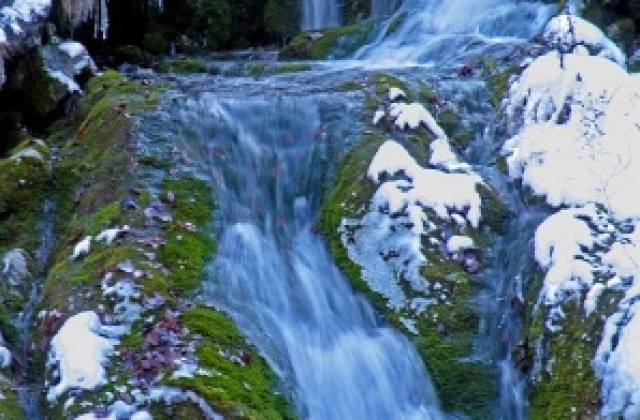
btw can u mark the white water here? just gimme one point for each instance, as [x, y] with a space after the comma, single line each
[318, 14]
[274, 275]
[442, 31]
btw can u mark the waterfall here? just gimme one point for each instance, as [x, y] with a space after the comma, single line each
[439, 31]
[273, 274]
[318, 14]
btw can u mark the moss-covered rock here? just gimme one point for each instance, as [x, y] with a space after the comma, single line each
[186, 65]
[10, 408]
[564, 384]
[331, 42]
[99, 185]
[239, 383]
[447, 329]
[41, 94]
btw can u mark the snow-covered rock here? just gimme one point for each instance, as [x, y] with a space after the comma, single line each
[19, 19]
[378, 116]
[28, 153]
[387, 241]
[577, 143]
[66, 60]
[559, 242]
[567, 32]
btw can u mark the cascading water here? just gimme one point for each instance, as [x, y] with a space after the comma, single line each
[274, 275]
[448, 34]
[318, 14]
[444, 31]
[269, 157]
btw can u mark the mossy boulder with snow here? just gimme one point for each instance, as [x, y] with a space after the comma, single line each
[133, 245]
[327, 43]
[416, 261]
[566, 120]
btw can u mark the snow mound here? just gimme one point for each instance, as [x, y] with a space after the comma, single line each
[577, 143]
[387, 241]
[567, 32]
[556, 83]
[412, 115]
[560, 254]
[79, 366]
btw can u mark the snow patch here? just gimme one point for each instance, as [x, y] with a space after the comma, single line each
[396, 93]
[458, 243]
[79, 366]
[82, 248]
[5, 357]
[567, 32]
[387, 241]
[109, 235]
[412, 116]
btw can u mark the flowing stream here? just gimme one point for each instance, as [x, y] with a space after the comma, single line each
[273, 273]
[454, 30]
[319, 14]
[270, 148]
[29, 388]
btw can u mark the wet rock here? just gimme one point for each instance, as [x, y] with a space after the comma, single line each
[128, 203]
[15, 267]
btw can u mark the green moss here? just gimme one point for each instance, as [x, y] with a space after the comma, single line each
[348, 86]
[182, 66]
[23, 185]
[257, 69]
[92, 175]
[186, 251]
[567, 386]
[292, 68]
[95, 172]
[237, 390]
[129, 53]
[308, 46]
[10, 408]
[383, 82]
[447, 330]
[42, 93]
[464, 386]
[155, 162]
[498, 84]
[396, 23]
[494, 211]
